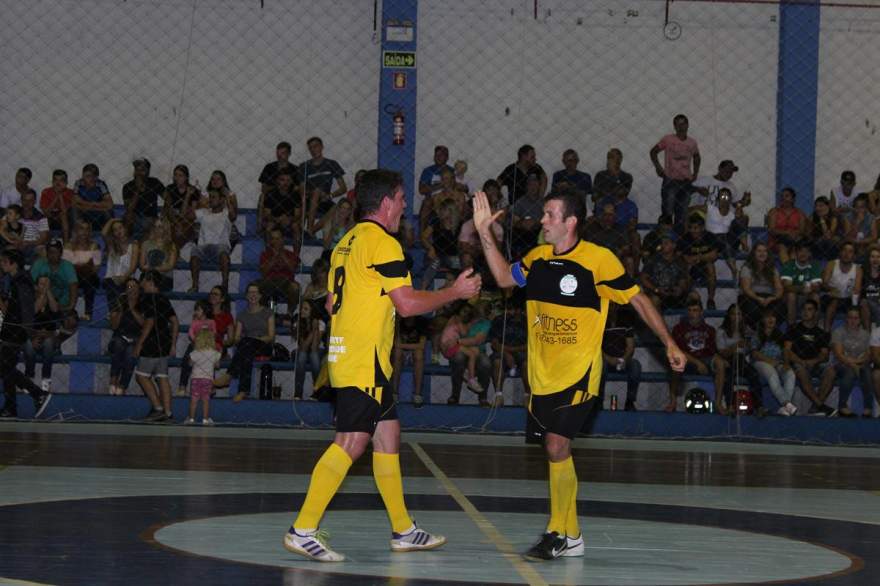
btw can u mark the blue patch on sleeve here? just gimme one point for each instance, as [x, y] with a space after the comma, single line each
[517, 273]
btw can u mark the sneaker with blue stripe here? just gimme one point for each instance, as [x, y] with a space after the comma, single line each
[311, 544]
[574, 547]
[415, 539]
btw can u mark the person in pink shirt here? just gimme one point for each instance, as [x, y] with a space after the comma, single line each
[681, 167]
[202, 319]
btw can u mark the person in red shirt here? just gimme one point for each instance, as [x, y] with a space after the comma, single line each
[56, 201]
[697, 339]
[278, 267]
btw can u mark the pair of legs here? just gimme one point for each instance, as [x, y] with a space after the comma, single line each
[459, 367]
[218, 253]
[726, 372]
[13, 379]
[781, 380]
[305, 361]
[242, 365]
[675, 380]
[122, 363]
[44, 343]
[805, 376]
[705, 273]
[846, 378]
[88, 284]
[675, 195]
[632, 368]
[152, 376]
[201, 393]
[502, 366]
[417, 355]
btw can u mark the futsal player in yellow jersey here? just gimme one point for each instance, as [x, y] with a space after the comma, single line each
[569, 284]
[369, 283]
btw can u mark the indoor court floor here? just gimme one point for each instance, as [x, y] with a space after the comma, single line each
[97, 504]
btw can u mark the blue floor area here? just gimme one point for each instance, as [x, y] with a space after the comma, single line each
[645, 424]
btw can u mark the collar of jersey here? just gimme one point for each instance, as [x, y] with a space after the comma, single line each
[377, 224]
[563, 253]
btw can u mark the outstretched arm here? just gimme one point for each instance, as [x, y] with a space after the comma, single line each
[409, 301]
[649, 314]
[483, 220]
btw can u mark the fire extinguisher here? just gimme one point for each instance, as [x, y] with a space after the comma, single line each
[398, 127]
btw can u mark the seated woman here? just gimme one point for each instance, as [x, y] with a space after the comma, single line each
[44, 336]
[860, 226]
[123, 253]
[824, 230]
[309, 333]
[340, 220]
[126, 321]
[159, 253]
[254, 336]
[84, 253]
[786, 224]
[767, 358]
[179, 197]
[761, 286]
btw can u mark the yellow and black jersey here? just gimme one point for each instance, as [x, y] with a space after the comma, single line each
[567, 298]
[366, 265]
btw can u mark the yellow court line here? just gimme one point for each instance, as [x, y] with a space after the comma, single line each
[498, 540]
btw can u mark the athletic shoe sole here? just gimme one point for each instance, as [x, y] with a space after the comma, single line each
[293, 548]
[46, 399]
[411, 547]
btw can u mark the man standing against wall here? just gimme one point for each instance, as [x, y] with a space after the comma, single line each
[569, 285]
[677, 173]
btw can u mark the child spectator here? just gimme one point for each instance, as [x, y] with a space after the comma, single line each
[11, 228]
[700, 251]
[202, 319]
[204, 361]
[450, 345]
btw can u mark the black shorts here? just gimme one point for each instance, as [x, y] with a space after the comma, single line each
[563, 413]
[358, 410]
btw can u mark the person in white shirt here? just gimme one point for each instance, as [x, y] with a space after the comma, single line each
[729, 225]
[22, 185]
[706, 188]
[215, 227]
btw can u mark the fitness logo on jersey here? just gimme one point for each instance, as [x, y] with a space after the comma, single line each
[568, 285]
[555, 330]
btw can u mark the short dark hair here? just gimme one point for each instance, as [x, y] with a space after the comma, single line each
[316, 139]
[14, 256]
[850, 175]
[15, 208]
[27, 172]
[665, 219]
[284, 145]
[441, 147]
[376, 185]
[491, 183]
[801, 244]
[91, 168]
[861, 197]
[678, 117]
[695, 302]
[697, 219]
[572, 203]
[59, 173]
[153, 276]
[524, 150]
[812, 302]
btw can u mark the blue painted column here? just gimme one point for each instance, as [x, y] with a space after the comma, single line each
[797, 98]
[401, 96]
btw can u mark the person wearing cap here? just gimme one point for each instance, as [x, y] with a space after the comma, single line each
[706, 188]
[141, 197]
[63, 283]
[665, 276]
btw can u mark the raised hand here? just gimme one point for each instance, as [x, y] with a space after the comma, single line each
[483, 215]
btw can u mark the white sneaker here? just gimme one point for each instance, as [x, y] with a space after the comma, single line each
[207, 421]
[574, 546]
[791, 408]
[474, 385]
[46, 385]
[783, 411]
[415, 539]
[189, 421]
[311, 544]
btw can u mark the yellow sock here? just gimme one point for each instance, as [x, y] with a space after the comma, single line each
[563, 486]
[572, 528]
[327, 475]
[386, 472]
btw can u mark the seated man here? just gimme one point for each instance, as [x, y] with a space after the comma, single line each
[802, 279]
[63, 283]
[507, 338]
[665, 277]
[318, 175]
[839, 279]
[35, 231]
[269, 174]
[92, 200]
[527, 212]
[282, 207]
[806, 351]
[409, 348]
[697, 339]
[215, 227]
[580, 181]
[56, 202]
[612, 180]
[141, 196]
[605, 231]
[852, 363]
[278, 267]
[700, 251]
[618, 348]
[651, 243]
[13, 195]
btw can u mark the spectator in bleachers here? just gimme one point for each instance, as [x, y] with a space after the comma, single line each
[665, 276]
[282, 207]
[681, 167]
[126, 321]
[626, 214]
[527, 211]
[696, 338]
[123, 254]
[156, 344]
[860, 226]
[729, 226]
[269, 175]
[318, 175]
[21, 186]
[56, 203]
[507, 338]
[65, 286]
[278, 266]
[316, 290]
[202, 319]
[141, 197]
[604, 230]
[515, 177]
[786, 225]
[806, 351]
[612, 181]
[868, 289]
[462, 183]
[618, 350]
[824, 230]
[731, 360]
[180, 195]
[17, 305]
[409, 347]
[874, 198]
[429, 179]
[43, 338]
[651, 243]
[768, 358]
[802, 279]
[11, 228]
[351, 195]
[462, 343]
[850, 347]
[254, 336]
[428, 213]
[337, 222]
[469, 240]
[159, 253]
[215, 229]
[761, 286]
[221, 310]
[842, 196]
[309, 333]
[85, 255]
[440, 240]
[36, 228]
[699, 249]
[218, 181]
[839, 280]
[92, 200]
[706, 189]
[569, 175]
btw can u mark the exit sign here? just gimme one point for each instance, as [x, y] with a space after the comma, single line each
[399, 59]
